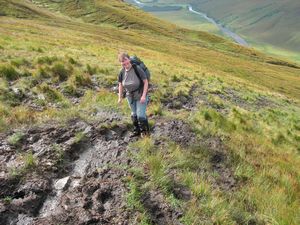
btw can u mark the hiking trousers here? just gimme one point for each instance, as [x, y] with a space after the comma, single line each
[138, 109]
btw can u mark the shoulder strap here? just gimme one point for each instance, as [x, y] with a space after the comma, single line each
[137, 72]
[121, 74]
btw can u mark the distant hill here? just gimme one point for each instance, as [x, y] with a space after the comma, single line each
[273, 21]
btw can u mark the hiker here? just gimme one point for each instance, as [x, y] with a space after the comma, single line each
[133, 79]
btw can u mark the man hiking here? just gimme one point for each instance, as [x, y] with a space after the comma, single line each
[133, 79]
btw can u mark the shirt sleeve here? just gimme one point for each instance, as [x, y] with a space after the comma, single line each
[142, 73]
[120, 76]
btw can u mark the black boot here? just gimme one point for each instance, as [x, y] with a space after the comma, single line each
[136, 127]
[144, 125]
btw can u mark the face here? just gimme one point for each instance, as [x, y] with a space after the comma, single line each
[126, 63]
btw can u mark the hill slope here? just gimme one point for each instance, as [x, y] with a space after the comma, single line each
[224, 122]
[269, 21]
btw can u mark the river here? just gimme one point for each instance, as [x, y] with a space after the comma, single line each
[238, 39]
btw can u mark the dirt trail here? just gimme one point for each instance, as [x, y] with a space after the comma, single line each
[74, 180]
[79, 169]
[86, 188]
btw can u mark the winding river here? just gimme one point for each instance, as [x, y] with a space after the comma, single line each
[223, 29]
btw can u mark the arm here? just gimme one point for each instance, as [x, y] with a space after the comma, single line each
[120, 92]
[145, 90]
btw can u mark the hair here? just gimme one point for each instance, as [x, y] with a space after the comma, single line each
[122, 56]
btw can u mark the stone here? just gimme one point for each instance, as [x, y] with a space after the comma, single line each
[62, 184]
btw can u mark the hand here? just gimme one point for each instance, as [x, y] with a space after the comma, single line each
[143, 100]
[119, 101]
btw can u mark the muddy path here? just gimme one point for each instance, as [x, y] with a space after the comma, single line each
[76, 176]
[72, 174]
[75, 173]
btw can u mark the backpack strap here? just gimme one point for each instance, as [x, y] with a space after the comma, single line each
[121, 75]
[139, 76]
[137, 72]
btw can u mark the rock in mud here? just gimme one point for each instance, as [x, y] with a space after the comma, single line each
[62, 184]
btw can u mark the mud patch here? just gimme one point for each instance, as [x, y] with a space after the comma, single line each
[198, 95]
[160, 212]
[220, 163]
[78, 175]
[95, 193]
[187, 102]
[176, 130]
[233, 97]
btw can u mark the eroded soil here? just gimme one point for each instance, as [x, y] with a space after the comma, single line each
[75, 173]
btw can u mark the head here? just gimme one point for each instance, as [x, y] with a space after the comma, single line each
[124, 59]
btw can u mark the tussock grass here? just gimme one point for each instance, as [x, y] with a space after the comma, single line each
[9, 73]
[16, 138]
[61, 72]
[47, 60]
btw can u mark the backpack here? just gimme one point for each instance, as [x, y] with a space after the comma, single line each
[134, 60]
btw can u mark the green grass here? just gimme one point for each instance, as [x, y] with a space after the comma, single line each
[16, 138]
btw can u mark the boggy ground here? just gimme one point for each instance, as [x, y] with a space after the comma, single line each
[75, 173]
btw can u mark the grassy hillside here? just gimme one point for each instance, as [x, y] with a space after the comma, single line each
[225, 142]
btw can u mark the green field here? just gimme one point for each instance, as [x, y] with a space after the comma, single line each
[185, 19]
[58, 63]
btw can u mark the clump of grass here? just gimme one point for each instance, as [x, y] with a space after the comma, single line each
[61, 72]
[52, 95]
[156, 109]
[133, 196]
[214, 120]
[4, 114]
[59, 154]
[81, 79]
[91, 70]
[30, 161]
[72, 61]
[36, 49]
[16, 138]
[29, 164]
[80, 137]
[18, 62]
[8, 199]
[47, 60]
[103, 70]
[21, 115]
[9, 97]
[279, 139]
[215, 101]
[133, 199]
[174, 78]
[70, 88]
[43, 72]
[158, 172]
[9, 72]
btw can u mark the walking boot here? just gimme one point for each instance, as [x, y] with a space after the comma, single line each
[144, 125]
[136, 127]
